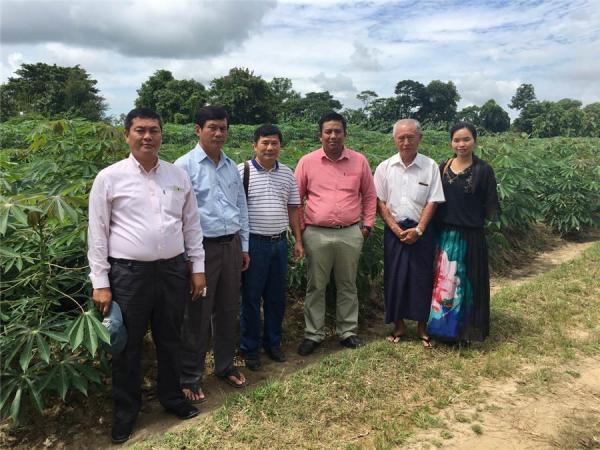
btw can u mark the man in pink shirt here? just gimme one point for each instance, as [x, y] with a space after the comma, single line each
[339, 202]
[143, 215]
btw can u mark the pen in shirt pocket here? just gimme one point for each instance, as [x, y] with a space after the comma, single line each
[423, 184]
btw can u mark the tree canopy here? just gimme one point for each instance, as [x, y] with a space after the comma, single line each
[51, 90]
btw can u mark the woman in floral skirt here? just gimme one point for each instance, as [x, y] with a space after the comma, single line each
[460, 307]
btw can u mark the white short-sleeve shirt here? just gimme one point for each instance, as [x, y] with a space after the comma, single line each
[407, 189]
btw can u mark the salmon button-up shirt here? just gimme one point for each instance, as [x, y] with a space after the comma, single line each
[336, 193]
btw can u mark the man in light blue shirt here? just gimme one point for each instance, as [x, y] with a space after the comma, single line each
[224, 219]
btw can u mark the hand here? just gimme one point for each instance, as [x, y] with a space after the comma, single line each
[102, 298]
[197, 285]
[409, 236]
[298, 251]
[397, 231]
[245, 261]
[365, 232]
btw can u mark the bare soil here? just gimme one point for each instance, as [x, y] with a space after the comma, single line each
[516, 421]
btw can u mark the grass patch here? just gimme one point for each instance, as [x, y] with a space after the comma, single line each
[378, 395]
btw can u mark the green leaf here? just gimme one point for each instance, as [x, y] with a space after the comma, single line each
[35, 397]
[76, 333]
[15, 407]
[91, 339]
[57, 336]
[26, 354]
[43, 348]
[62, 381]
[8, 387]
[101, 330]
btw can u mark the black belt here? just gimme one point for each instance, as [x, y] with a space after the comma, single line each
[335, 227]
[219, 239]
[275, 237]
[133, 262]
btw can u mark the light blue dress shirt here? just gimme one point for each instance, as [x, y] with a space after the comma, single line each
[219, 192]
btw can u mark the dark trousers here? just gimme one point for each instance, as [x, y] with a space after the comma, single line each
[408, 275]
[265, 279]
[148, 293]
[215, 314]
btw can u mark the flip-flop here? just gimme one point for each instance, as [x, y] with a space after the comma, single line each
[196, 390]
[427, 342]
[395, 338]
[235, 373]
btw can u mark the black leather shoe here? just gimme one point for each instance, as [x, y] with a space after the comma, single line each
[275, 354]
[252, 362]
[183, 410]
[121, 432]
[352, 342]
[307, 347]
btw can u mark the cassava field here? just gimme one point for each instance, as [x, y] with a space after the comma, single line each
[381, 396]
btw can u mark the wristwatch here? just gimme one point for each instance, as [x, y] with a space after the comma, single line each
[418, 230]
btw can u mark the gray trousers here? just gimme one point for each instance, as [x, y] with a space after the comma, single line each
[330, 249]
[215, 314]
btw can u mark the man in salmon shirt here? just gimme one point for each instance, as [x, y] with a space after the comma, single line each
[339, 203]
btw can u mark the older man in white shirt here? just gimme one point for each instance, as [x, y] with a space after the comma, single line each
[143, 216]
[408, 189]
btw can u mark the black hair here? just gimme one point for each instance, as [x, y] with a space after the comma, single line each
[332, 115]
[460, 125]
[267, 130]
[207, 113]
[143, 113]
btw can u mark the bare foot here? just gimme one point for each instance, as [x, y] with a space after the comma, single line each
[194, 394]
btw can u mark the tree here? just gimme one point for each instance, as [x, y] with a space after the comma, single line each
[367, 97]
[51, 90]
[524, 96]
[442, 101]
[312, 106]
[148, 92]
[493, 118]
[470, 114]
[248, 98]
[412, 99]
[283, 94]
[177, 101]
[591, 120]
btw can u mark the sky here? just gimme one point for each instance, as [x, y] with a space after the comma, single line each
[486, 47]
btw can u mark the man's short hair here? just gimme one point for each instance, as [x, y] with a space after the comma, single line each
[460, 125]
[413, 122]
[207, 113]
[142, 113]
[267, 130]
[332, 115]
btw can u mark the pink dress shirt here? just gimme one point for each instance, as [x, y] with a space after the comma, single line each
[337, 192]
[143, 216]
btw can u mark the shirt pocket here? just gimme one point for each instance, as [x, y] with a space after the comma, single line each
[349, 183]
[174, 200]
[420, 192]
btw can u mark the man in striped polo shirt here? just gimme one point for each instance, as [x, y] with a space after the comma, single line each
[273, 202]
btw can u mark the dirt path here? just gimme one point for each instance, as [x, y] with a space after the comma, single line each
[565, 416]
[519, 422]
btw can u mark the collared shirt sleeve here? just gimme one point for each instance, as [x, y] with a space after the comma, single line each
[368, 195]
[301, 181]
[98, 232]
[192, 231]
[244, 224]
[380, 181]
[436, 191]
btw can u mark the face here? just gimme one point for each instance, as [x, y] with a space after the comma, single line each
[463, 143]
[213, 135]
[333, 137]
[407, 139]
[267, 150]
[144, 138]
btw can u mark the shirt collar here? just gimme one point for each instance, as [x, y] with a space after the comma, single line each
[345, 154]
[201, 155]
[418, 161]
[260, 168]
[136, 164]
